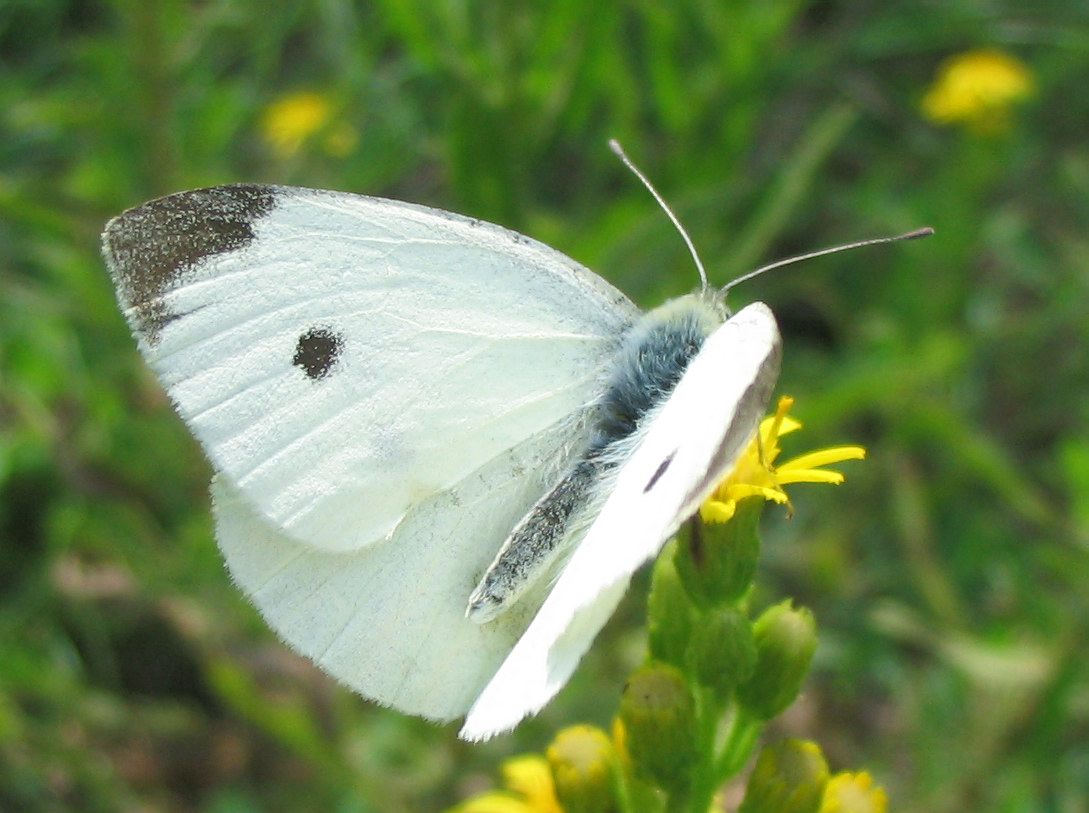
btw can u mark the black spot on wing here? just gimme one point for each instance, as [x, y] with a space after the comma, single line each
[654, 478]
[150, 248]
[317, 351]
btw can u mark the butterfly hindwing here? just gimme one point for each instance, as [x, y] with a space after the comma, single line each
[388, 620]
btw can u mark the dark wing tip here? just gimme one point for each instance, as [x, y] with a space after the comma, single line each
[149, 249]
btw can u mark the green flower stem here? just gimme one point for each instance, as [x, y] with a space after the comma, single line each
[633, 795]
[741, 739]
[716, 579]
[709, 774]
[704, 781]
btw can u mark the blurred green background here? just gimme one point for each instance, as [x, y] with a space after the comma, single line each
[950, 574]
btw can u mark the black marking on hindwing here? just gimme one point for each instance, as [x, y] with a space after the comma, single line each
[654, 478]
[535, 541]
[317, 351]
[151, 248]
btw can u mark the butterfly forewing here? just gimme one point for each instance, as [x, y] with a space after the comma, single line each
[343, 358]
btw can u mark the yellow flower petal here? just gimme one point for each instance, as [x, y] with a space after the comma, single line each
[740, 492]
[810, 476]
[714, 510]
[825, 457]
[529, 790]
[757, 475]
[853, 793]
[531, 777]
[495, 801]
[772, 427]
[786, 426]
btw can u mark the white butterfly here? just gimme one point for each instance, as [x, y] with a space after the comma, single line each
[442, 448]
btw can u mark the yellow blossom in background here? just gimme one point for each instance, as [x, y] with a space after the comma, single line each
[854, 793]
[529, 789]
[289, 122]
[756, 473]
[978, 89]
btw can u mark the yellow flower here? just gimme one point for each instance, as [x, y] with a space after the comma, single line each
[788, 777]
[530, 789]
[582, 759]
[292, 120]
[854, 793]
[756, 474]
[977, 89]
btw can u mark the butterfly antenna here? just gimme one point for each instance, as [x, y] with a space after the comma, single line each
[926, 231]
[614, 145]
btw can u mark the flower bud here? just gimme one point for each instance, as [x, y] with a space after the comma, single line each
[526, 777]
[723, 650]
[582, 759]
[785, 641]
[659, 723]
[669, 614]
[717, 561]
[789, 777]
[854, 793]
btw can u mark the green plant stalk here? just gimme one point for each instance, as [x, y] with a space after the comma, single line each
[715, 764]
[704, 781]
[714, 769]
[741, 737]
